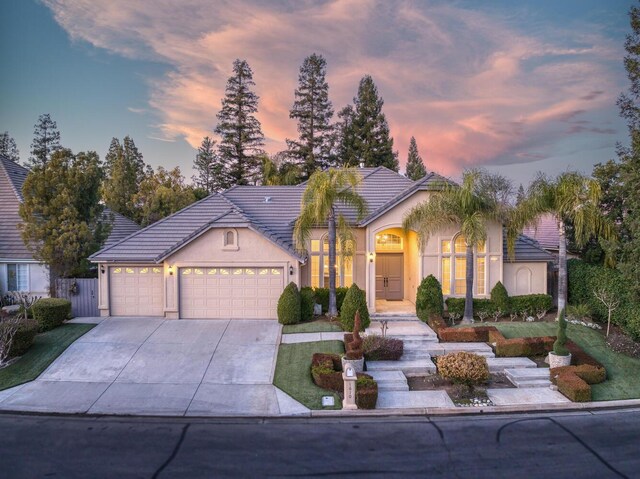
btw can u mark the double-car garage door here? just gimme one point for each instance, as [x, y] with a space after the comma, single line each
[230, 292]
[221, 292]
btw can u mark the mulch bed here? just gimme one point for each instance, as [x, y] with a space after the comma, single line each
[460, 394]
[623, 344]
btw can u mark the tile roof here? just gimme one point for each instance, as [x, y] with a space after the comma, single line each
[545, 231]
[526, 250]
[12, 177]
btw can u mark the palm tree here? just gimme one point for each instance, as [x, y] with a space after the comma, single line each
[574, 200]
[468, 206]
[325, 191]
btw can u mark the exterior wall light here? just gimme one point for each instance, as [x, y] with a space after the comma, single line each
[170, 270]
[101, 269]
[372, 255]
[291, 270]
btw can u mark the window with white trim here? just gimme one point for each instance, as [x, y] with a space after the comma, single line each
[17, 277]
[319, 258]
[453, 263]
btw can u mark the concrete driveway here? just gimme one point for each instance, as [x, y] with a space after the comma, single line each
[152, 366]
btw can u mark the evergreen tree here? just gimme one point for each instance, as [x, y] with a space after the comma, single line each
[8, 147]
[46, 140]
[211, 175]
[125, 170]
[240, 132]
[520, 195]
[630, 160]
[373, 144]
[314, 111]
[63, 220]
[415, 165]
[346, 152]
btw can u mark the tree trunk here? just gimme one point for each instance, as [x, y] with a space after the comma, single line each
[468, 302]
[333, 309]
[562, 267]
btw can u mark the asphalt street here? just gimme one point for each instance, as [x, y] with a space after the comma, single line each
[564, 445]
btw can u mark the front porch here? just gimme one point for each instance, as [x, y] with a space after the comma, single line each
[402, 307]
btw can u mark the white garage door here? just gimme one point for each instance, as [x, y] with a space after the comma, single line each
[136, 291]
[247, 292]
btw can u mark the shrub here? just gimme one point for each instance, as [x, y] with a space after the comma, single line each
[354, 300]
[465, 335]
[51, 312]
[573, 387]
[326, 371]
[289, 305]
[463, 368]
[500, 297]
[429, 298]
[578, 311]
[520, 347]
[456, 306]
[377, 348]
[436, 323]
[366, 392]
[307, 301]
[532, 303]
[322, 297]
[24, 337]
[559, 347]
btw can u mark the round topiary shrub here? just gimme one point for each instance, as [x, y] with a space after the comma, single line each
[463, 368]
[307, 301]
[289, 305]
[500, 298]
[429, 299]
[354, 300]
[51, 312]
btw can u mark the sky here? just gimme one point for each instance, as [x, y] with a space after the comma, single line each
[516, 87]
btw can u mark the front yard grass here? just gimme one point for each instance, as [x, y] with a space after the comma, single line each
[293, 372]
[622, 371]
[316, 326]
[45, 349]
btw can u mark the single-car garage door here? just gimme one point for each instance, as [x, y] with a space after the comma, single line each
[136, 291]
[247, 292]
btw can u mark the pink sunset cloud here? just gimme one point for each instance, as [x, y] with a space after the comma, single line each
[471, 87]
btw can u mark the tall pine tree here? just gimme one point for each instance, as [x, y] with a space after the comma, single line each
[240, 132]
[124, 171]
[520, 195]
[629, 104]
[415, 165]
[372, 143]
[345, 134]
[8, 147]
[313, 111]
[46, 140]
[211, 175]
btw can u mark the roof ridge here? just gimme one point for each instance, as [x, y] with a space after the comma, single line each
[152, 225]
[16, 191]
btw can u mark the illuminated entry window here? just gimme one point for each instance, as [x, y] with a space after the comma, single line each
[320, 265]
[388, 242]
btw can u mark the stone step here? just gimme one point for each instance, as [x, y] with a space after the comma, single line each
[498, 365]
[439, 349]
[415, 338]
[383, 386]
[532, 383]
[412, 354]
[417, 366]
[537, 373]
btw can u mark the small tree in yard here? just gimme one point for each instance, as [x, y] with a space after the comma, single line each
[560, 345]
[610, 301]
[8, 328]
[354, 301]
[289, 305]
[429, 299]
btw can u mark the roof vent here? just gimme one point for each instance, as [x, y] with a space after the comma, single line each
[267, 199]
[362, 164]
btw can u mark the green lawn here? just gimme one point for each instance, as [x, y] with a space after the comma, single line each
[623, 372]
[293, 374]
[317, 326]
[47, 347]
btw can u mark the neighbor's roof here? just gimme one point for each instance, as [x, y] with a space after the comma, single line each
[12, 177]
[526, 250]
[545, 231]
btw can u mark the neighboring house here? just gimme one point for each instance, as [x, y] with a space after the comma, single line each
[19, 271]
[545, 232]
[231, 254]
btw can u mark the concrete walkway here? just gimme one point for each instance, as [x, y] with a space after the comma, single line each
[151, 366]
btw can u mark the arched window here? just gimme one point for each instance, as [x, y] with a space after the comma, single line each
[386, 242]
[320, 265]
[523, 281]
[230, 239]
[453, 264]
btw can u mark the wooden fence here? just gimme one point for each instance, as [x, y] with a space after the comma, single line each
[83, 294]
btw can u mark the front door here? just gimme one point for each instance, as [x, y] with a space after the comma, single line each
[389, 269]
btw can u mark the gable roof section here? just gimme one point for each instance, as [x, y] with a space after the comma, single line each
[120, 228]
[12, 177]
[545, 231]
[526, 250]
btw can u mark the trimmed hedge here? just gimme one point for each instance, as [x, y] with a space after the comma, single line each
[377, 348]
[465, 335]
[500, 297]
[326, 370]
[51, 312]
[24, 337]
[322, 297]
[366, 392]
[522, 347]
[307, 301]
[289, 311]
[429, 299]
[354, 300]
[456, 305]
[584, 279]
[574, 381]
[517, 304]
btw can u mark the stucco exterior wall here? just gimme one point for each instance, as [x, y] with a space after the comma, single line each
[38, 278]
[525, 278]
